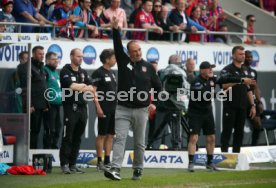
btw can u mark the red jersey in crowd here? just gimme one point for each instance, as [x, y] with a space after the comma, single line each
[142, 18]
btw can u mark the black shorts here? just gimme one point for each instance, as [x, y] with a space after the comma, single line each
[107, 125]
[205, 122]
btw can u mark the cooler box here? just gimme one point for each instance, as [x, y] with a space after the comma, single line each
[43, 162]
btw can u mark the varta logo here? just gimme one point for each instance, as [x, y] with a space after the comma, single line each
[6, 38]
[162, 159]
[85, 157]
[4, 155]
[43, 38]
[24, 37]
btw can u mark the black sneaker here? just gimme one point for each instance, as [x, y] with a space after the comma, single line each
[112, 173]
[137, 174]
[65, 169]
[75, 169]
[191, 167]
[212, 167]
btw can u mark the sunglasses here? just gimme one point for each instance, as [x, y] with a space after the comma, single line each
[252, 20]
[159, 6]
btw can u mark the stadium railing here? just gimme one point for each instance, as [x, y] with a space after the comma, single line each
[271, 37]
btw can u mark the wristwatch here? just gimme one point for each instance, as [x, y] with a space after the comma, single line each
[253, 105]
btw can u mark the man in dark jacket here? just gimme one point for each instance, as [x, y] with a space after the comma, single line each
[235, 110]
[136, 78]
[76, 84]
[39, 104]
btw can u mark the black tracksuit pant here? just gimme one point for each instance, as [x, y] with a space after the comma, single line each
[233, 118]
[36, 123]
[52, 126]
[74, 126]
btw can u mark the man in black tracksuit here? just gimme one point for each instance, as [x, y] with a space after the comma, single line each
[104, 82]
[134, 77]
[200, 111]
[200, 114]
[38, 86]
[74, 81]
[256, 121]
[235, 109]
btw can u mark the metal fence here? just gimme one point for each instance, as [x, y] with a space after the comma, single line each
[271, 37]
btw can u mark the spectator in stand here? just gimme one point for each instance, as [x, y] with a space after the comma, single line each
[47, 8]
[59, 3]
[37, 4]
[179, 18]
[87, 20]
[216, 16]
[269, 6]
[250, 39]
[106, 3]
[137, 4]
[63, 16]
[222, 38]
[237, 14]
[207, 22]
[25, 12]
[2, 26]
[195, 16]
[116, 11]
[127, 6]
[98, 14]
[161, 20]
[5, 14]
[205, 3]
[189, 6]
[145, 20]
[170, 4]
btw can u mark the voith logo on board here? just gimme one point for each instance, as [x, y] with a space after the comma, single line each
[152, 55]
[56, 49]
[89, 55]
[255, 58]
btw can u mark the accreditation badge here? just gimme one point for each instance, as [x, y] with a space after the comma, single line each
[212, 84]
[82, 77]
[144, 69]
[253, 74]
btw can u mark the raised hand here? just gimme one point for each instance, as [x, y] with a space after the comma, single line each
[114, 22]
